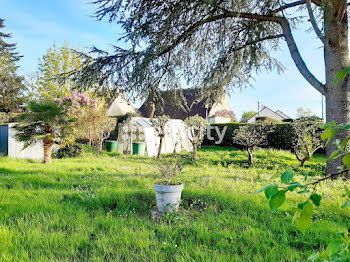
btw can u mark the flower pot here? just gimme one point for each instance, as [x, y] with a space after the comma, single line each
[111, 146]
[168, 197]
[138, 148]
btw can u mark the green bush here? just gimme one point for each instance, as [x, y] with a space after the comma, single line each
[69, 151]
[280, 138]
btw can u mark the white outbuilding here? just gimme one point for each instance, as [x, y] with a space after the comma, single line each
[10, 147]
[138, 129]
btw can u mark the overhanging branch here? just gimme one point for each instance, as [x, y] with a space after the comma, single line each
[294, 4]
[292, 46]
[298, 60]
[314, 23]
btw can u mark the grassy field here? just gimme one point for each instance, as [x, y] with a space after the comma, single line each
[98, 208]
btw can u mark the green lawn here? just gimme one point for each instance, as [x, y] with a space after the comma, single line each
[98, 209]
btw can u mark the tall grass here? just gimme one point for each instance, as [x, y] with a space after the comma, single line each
[98, 209]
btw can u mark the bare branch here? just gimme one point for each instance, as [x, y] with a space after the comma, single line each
[314, 23]
[298, 60]
[294, 4]
[290, 5]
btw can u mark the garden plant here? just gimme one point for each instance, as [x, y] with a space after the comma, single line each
[251, 136]
[196, 127]
[307, 140]
[159, 124]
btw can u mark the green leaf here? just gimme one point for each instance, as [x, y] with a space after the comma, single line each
[271, 191]
[347, 127]
[346, 204]
[328, 134]
[316, 199]
[329, 124]
[263, 188]
[346, 160]
[293, 186]
[301, 205]
[345, 142]
[277, 200]
[334, 155]
[303, 221]
[303, 191]
[287, 176]
[340, 76]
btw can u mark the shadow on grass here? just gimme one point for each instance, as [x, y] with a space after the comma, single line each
[211, 209]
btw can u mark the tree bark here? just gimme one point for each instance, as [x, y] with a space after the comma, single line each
[194, 156]
[336, 58]
[47, 150]
[160, 146]
[250, 156]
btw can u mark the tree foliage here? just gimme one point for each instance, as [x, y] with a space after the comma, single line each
[247, 115]
[251, 136]
[11, 84]
[184, 40]
[56, 61]
[304, 112]
[45, 121]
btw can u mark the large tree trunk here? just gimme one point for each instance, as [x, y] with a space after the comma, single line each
[336, 58]
[47, 150]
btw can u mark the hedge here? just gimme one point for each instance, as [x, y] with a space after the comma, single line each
[280, 138]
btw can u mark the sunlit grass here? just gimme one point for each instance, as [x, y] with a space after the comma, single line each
[98, 208]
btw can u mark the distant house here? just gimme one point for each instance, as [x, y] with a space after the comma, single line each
[267, 112]
[190, 105]
[121, 106]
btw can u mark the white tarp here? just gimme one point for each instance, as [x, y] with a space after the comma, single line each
[142, 131]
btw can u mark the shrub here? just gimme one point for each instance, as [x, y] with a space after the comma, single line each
[252, 136]
[307, 140]
[196, 131]
[280, 138]
[159, 124]
[69, 151]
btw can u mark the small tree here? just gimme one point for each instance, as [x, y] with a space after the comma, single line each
[46, 121]
[247, 115]
[196, 127]
[93, 123]
[251, 136]
[159, 125]
[307, 140]
[103, 129]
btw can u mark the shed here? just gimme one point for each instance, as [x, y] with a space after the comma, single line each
[10, 147]
[139, 129]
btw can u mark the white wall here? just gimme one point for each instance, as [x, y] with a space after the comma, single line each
[35, 151]
[219, 120]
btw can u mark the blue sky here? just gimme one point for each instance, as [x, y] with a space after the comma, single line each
[36, 24]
